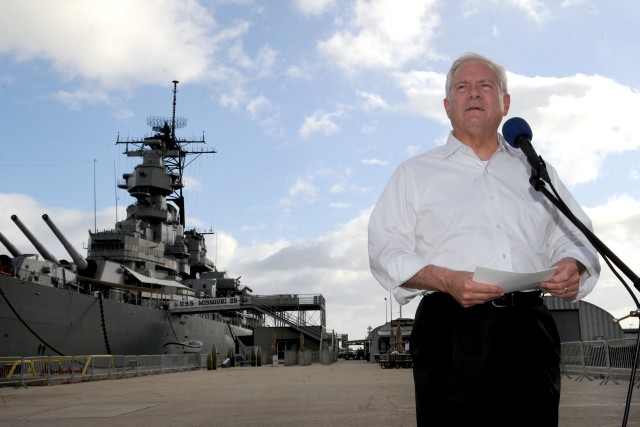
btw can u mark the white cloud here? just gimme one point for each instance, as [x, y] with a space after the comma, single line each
[193, 184]
[322, 183]
[617, 224]
[334, 264]
[76, 99]
[634, 174]
[314, 7]
[123, 114]
[372, 101]
[259, 106]
[342, 184]
[341, 205]
[319, 122]
[368, 129]
[577, 3]
[262, 65]
[577, 121]
[377, 162]
[233, 99]
[303, 189]
[103, 46]
[113, 43]
[299, 72]
[618, 219]
[412, 150]
[535, 10]
[221, 249]
[379, 34]
[424, 93]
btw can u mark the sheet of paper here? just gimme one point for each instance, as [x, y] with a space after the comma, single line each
[510, 281]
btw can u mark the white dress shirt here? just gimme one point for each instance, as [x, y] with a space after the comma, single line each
[450, 209]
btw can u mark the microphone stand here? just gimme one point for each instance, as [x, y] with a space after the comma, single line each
[607, 254]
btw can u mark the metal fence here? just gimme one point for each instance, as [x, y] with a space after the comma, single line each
[50, 370]
[23, 371]
[605, 360]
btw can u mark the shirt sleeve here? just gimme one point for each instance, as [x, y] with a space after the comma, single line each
[392, 256]
[567, 240]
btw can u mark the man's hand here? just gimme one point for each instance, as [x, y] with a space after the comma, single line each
[566, 280]
[459, 284]
[469, 293]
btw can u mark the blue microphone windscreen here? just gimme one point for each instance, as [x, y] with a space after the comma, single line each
[514, 128]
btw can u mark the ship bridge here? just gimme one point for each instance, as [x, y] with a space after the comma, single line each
[305, 313]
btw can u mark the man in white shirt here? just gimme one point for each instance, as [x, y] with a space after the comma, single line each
[480, 357]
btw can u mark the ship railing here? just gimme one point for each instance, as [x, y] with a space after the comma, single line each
[49, 370]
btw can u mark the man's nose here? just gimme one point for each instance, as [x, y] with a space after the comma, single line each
[474, 91]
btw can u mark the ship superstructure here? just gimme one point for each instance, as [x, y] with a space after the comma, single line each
[151, 245]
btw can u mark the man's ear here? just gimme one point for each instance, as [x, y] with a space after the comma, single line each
[506, 103]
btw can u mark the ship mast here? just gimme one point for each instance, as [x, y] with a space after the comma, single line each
[173, 150]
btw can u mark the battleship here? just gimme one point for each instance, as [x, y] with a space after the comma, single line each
[117, 299]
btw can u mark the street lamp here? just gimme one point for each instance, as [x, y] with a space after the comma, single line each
[385, 310]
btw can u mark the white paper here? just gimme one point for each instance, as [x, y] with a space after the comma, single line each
[510, 281]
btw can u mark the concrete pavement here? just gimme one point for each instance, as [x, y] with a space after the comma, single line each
[347, 393]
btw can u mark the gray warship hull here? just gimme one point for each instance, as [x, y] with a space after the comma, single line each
[72, 324]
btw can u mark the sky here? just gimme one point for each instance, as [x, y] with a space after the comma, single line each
[310, 106]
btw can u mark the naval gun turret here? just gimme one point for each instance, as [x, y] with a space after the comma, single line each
[35, 242]
[7, 244]
[48, 271]
[80, 262]
[6, 264]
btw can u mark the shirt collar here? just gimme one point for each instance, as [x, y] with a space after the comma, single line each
[453, 144]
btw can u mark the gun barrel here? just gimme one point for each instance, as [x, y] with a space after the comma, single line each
[7, 244]
[78, 259]
[39, 247]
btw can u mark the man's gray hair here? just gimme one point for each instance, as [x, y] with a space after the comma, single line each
[471, 56]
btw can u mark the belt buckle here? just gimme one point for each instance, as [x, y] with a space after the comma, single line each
[507, 298]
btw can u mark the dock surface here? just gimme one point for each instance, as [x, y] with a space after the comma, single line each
[346, 393]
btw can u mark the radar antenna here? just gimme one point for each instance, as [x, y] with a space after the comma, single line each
[158, 123]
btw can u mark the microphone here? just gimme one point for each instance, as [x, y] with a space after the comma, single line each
[518, 134]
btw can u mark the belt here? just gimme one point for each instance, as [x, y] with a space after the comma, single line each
[512, 299]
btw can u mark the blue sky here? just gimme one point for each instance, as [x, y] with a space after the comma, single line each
[310, 104]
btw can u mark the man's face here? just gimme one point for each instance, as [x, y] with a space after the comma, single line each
[476, 101]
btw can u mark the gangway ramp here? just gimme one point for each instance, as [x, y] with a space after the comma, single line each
[305, 313]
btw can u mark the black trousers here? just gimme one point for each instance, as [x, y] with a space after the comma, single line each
[485, 365]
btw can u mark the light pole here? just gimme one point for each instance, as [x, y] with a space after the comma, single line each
[385, 309]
